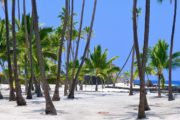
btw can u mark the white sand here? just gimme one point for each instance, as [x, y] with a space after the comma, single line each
[108, 104]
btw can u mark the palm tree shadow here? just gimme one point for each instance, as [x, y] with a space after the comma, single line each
[131, 115]
[37, 102]
[42, 111]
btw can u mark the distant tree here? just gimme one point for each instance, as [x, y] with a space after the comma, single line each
[97, 65]
[160, 61]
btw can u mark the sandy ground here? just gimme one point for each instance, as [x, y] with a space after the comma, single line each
[107, 104]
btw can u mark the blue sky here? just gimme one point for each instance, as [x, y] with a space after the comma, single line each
[113, 24]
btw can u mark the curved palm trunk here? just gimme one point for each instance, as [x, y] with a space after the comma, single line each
[11, 95]
[50, 109]
[71, 94]
[132, 70]
[56, 96]
[141, 110]
[77, 48]
[127, 59]
[170, 96]
[19, 98]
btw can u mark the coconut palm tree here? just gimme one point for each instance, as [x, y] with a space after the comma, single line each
[145, 50]
[19, 98]
[69, 45]
[11, 95]
[143, 105]
[98, 65]
[138, 12]
[71, 94]
[56, 96]
[78, 41]
[50, 109]
[170, 96]
[160, 61]
[141, 112]
[29, 94]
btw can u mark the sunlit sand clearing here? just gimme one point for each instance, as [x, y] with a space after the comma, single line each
[107, 104]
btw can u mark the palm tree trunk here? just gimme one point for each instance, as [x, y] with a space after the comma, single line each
[127, 59]
[141, 65]
[19, 16]
[29, 51]
[159, 85]
[67, 79]
[80, 85]
[37, 87]
[69, 48]
[56, 96]
[132, 71]
[1, 96]
[26, 73]
[11, 94]
[96, 80]
[170, 96]
[78, 41]
[19, 98]
[141, 110]
[145, 50]
[50, 109]
[71, 94]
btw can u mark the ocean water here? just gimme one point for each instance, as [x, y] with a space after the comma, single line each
[174, 82]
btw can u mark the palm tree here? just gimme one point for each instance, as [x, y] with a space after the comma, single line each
[145, 49]
[141, 112]
[19, 98]
[71, 94]
[160, 61]
[56, 96]
[29, 94]
[170, 96]
[138, 12]
[50, 109]
[69, 48]
[11, 95]
[98, 65]
[141, 65]
[78, 40]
